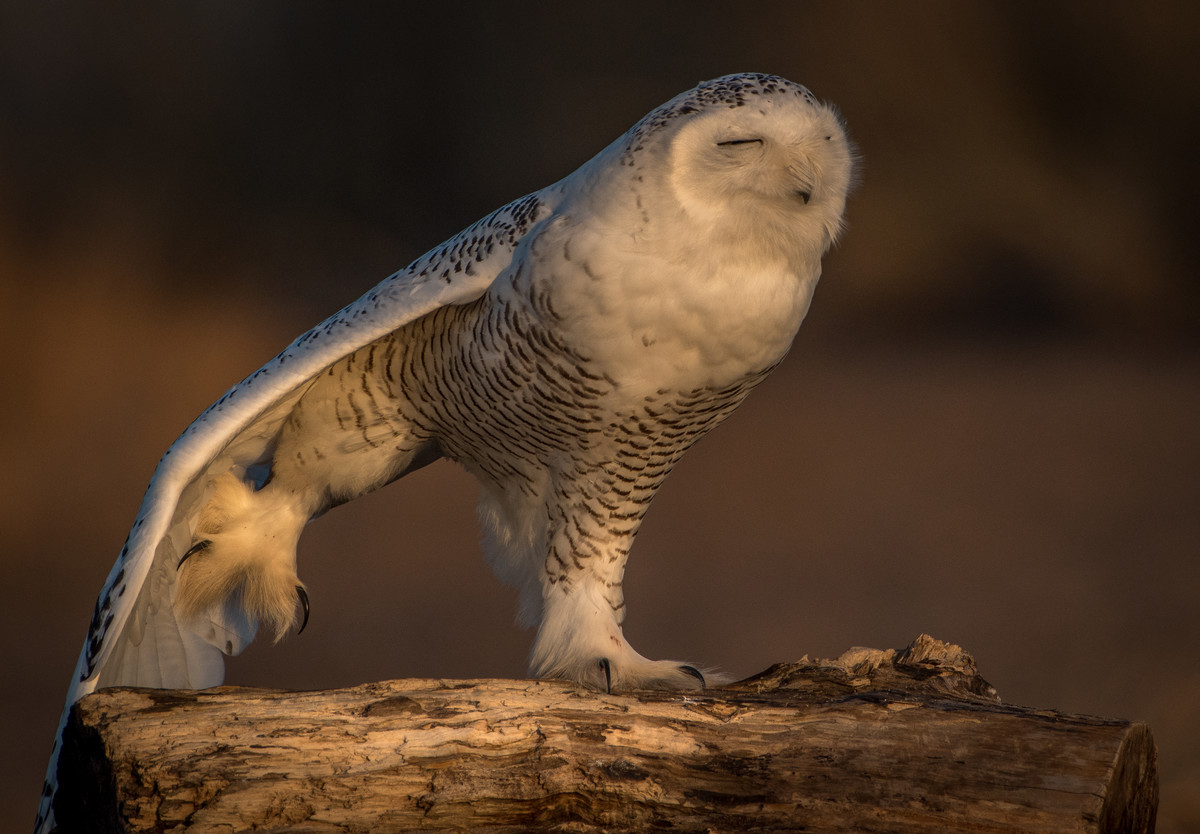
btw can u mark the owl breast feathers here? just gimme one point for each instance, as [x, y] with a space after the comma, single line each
[567, 350]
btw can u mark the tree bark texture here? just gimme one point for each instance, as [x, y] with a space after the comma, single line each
[897, 741]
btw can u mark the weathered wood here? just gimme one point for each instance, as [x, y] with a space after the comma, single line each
[874, 741]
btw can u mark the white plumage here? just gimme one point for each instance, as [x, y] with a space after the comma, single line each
[567, 350]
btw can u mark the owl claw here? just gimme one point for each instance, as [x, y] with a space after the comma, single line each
[664, 675]
[303, 594]
[198, 547]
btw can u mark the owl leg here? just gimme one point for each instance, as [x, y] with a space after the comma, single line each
[569, 572]
[337, 444]
[583, 604]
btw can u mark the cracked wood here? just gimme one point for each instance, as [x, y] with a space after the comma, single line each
[910, 740]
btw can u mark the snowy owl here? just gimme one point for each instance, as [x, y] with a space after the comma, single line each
[567, 349]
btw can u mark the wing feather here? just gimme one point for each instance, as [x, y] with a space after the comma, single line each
[134, 638]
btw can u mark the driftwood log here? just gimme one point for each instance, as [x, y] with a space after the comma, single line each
[898, 741]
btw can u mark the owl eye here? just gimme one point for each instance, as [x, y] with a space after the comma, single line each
[729, 142]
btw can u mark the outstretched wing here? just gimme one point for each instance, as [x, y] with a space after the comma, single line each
[134, 639]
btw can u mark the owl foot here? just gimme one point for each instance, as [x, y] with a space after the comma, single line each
[580, 640]
[204, 544]
[659, 683]
[625, 671]
[245, 555]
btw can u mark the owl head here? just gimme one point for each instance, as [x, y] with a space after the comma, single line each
[752, 157]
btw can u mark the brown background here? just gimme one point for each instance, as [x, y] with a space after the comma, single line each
[986, 430]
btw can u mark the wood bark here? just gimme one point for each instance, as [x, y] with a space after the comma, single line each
[897, 741]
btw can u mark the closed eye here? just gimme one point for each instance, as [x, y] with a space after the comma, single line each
[729, 142]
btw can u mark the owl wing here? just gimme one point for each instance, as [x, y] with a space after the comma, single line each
[134, 638]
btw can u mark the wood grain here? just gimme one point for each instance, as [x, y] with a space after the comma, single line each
[898, 741]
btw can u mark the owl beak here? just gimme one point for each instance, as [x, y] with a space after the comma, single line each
[804, 178]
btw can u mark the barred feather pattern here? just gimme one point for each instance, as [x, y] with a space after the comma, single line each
[567, 350]
[498, 388]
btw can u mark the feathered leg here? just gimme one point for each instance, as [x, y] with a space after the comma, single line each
[572, 592]
[344, 438]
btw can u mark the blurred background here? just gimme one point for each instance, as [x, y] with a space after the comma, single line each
[986, 430]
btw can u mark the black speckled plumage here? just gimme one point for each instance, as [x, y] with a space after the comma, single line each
[567, 350]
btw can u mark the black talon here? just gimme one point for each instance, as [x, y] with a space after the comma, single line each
[303, 594]
[198, 547]
[607, 667]
[695, 673]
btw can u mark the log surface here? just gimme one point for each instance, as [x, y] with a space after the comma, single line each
[890, 741]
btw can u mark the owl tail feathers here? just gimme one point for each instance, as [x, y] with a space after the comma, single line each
[244, 555]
